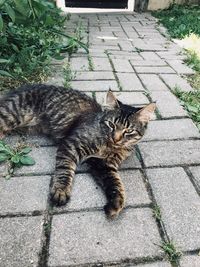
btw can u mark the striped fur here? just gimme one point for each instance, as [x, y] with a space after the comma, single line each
[84, 131]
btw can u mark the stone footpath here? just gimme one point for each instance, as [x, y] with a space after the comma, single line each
[130, 55]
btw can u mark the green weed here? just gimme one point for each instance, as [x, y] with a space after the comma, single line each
[180, 20]
[172, 252]
[157, 212]
[31, 34]
[68, 75]
[16, 157]
[191, 102]
[91, 64]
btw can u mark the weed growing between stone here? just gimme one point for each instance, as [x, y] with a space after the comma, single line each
[172, 252]
[68, 75]
[191, 102]
[16, 157]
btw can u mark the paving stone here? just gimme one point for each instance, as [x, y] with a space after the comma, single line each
[152, 82]
[57, 79]
[180, 206]
[167, 110]
[154, 264]
[94, 75]
[45, 162]
[95, 85]
[151, 69]
[153, 63]
[24, 194]
[101, 64]
[173, 80]
[20, 241]
[130, 82]
[171, 129]
[125, 45]
[135, 231]
[150, 56]
[122, 65]
[187, 261]
[129, 98]
[31, 140]
[165, 153]
[180, 67]
[196, 174]
[80, 64]
[86, 193]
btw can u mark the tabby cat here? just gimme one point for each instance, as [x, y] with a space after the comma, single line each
[84, 131]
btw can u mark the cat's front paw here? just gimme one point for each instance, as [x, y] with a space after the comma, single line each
[113, 207]
[59, 196]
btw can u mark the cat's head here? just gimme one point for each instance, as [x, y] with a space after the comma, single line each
[125, 124]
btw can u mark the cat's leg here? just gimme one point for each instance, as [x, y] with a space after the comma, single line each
[107, 175]
[66, 162]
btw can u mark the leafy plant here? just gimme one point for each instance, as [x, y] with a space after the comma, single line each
[172, 252]
[17, 156]
[180, 20]
[157, 212]
[31, 33]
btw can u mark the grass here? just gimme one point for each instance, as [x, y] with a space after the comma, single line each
[157, 213]
[68, 75]
[183, 23]
[191, 102]
[171, 251]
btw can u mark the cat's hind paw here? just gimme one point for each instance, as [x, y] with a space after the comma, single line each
[59, 196]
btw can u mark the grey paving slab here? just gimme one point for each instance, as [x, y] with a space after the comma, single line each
[180, 67]
[175, 81]
[150, 56]
[190, 261]
[24, 194]
[79, 64]
[167, 110]
[179, 204]
[94, 75]
[154, 264]
[101, 64]
[129, 82]
[152, 82]
[86, 193]
[153, 63]
[171, 129]
[165, 153]
[135, 231]
[32, 140]
[45, 162]
[196, 175]
[20, 241]
[152, 69]
[122, 65]
[130, 98]
[95, 85]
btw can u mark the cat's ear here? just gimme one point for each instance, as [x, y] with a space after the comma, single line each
[111, 100]
[146, 113]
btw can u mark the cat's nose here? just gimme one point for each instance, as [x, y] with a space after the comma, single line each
[117, 136]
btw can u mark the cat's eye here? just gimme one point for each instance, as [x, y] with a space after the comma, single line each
[130, 131]
[110, 124]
